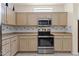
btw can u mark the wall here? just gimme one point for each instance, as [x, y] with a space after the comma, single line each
[72, 10]
[69, 8]
[75, 30]
[29, 8]
[78, 11]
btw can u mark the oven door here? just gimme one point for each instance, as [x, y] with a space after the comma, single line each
[45, 42]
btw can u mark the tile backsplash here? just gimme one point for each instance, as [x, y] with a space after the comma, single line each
[9, 29]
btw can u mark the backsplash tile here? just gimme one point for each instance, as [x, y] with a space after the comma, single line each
[9, 29]
[69, 29]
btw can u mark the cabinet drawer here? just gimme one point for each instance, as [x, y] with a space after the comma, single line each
[6, 41]
[5, 49]
[28, 37]
[13, 39]
[67, 36]
[59, 37]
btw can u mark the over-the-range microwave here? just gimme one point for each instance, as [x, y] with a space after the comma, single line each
[44, 22]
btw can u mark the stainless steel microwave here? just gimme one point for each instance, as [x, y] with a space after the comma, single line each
[44, 22]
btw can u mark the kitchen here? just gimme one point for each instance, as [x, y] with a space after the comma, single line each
[39, 28]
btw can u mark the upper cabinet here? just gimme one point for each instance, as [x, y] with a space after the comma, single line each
[63, 18]
[59, 18]
[35, 16]
[3, 13]
[21, 18]
[32, 19]
[8, 15]
[44, 15]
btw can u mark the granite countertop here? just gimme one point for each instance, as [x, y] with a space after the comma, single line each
[8, 35]
[61, 33]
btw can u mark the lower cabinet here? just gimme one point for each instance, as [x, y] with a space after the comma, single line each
[9, 46]
[28, 43]
[5, 47]
[67, 45]
[13, 46]
[63, 43]
[58, 44]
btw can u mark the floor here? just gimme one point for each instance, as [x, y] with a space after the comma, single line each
[35, 54]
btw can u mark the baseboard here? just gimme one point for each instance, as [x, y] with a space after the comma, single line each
[15, 53]
[27, 51]
[62, 51]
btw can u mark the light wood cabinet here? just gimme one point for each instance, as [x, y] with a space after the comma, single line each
[55, 18]
[44, 15]
[27, 43]
[58, 44]
[21, 18]
[5, 47]
[13, 20]
[9, 46]
[32, 19]
[7, 15]
[13, 45]
[63, 18]
[10, 17]
[3, 13]
[63, 43]
[59, 18]
[67, 45]
[23, 45]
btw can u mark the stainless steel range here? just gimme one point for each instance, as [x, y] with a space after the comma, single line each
[45, 40]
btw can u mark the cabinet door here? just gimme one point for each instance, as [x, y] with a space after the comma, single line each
[23, 44]
[44, 15]
[32, 19]
[66, 44]
[6, 49]
[3, 13]
[13, 20]
[13, 46]
[21, 18]
[63, 19]
[55, 18]
[28, 44]
[58, 44]
[10, 16]
[32, 44]
[59, 18]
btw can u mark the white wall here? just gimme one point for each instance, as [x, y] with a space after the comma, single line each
[72, 10]
[69, 8]
[78, 11]
[29, 8]
[75, 29]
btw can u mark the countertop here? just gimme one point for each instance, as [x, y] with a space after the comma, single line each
[8, 35]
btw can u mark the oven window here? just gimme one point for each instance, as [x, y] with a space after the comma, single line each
[45, 42]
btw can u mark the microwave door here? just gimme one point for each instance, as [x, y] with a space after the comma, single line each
[43, 22]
